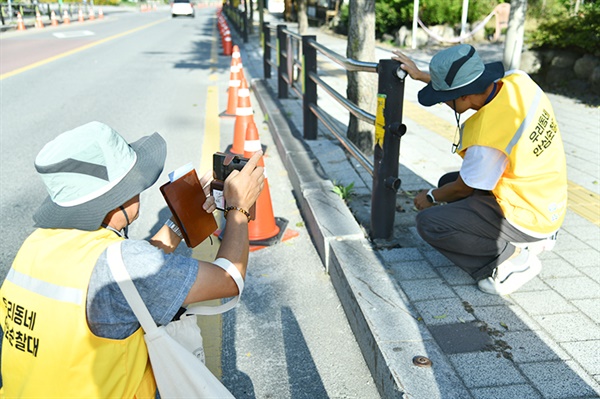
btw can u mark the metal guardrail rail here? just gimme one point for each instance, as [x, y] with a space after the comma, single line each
[296, 65]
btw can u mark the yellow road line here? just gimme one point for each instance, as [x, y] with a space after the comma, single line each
[78, 49]
[581, 200]
[211, 326]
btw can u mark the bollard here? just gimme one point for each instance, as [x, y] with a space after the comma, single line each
[267, 50]
[388, 131]
[282, 89]
[309, 87]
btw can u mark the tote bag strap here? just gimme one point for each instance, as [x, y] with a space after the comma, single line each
[122, 277]
[214, 310]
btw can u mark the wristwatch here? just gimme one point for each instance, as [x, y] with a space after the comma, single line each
[174, 228]
[430, 196]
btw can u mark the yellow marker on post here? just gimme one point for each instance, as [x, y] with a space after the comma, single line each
[380, 120]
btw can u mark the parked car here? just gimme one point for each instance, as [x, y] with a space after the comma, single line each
[182, 7]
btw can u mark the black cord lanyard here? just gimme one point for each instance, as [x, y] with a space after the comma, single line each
[457, 116]
[124, 233]
[455, 143]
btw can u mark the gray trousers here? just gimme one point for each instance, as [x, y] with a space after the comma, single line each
[471, 232]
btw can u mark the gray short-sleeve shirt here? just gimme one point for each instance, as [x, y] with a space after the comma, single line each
[162, 280]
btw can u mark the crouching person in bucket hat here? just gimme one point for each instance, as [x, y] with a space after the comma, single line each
[509, 198]
[68, 330]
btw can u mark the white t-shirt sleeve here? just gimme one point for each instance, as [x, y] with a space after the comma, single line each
[482, 167]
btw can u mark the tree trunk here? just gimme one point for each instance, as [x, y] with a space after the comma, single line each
[288, 13]
[302, 17]
[362, 86]
[514, 34]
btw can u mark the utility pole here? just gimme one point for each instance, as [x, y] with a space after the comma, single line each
[514, 34]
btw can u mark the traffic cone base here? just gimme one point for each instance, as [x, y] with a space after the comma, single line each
[281, 225]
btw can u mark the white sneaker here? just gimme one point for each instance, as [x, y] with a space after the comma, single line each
[508, 277]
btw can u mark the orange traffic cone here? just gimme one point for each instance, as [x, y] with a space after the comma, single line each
[243, 116]
[100, 14]
[80, 16]
[20, 24]
[66, 18]
[38, 20]
[232, 91]
[53, 20]
[227, 44]
[263, 226]
[236, 56]
[92, 14]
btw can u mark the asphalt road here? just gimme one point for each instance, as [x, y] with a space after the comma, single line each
[146, 72]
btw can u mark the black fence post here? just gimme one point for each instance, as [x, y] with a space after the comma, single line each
[245, 22]
[282, 89]
[309, 87]
[266, 50]
[388, 131]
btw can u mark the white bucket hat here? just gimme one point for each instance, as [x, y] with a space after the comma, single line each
[91, 170]
[458, 71]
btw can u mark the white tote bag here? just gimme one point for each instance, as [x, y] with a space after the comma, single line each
[175, 350]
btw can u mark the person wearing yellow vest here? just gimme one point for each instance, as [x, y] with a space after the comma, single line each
[67, 328]
[508, 201]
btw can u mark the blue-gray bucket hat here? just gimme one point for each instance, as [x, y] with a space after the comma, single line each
[91, 170]
[458, 71]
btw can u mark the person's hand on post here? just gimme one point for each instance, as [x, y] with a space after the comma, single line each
[421, 201]
[243, 187]
[410, 67]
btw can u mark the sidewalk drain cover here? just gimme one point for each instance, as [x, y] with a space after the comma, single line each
[460, 337]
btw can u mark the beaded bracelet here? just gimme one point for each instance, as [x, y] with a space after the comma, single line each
[237, 208]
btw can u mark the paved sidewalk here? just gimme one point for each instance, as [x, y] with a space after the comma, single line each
[403, 299]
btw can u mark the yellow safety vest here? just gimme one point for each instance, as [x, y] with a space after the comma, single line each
[48, 350]
[520, 122]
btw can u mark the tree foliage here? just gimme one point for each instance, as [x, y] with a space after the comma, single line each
[579, 32]
[392, 14]
[439, 12]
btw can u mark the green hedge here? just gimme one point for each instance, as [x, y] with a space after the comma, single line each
[580, 32]
[439, 12]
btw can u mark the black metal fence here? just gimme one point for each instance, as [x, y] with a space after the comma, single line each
[296, 66]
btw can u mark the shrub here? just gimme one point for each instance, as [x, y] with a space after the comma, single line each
[580, 32]
[439, 12]
[391, 15]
